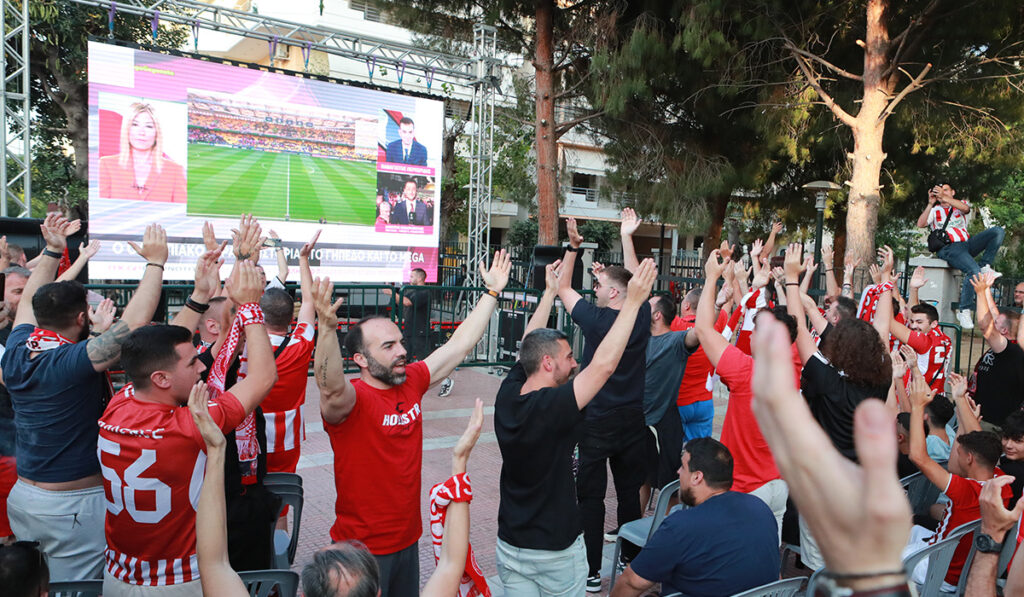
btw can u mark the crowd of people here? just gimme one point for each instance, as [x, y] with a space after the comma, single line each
[158, 488]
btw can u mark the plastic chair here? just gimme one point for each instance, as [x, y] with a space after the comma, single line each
[282, 479]
[1009, 547]
[639, 531]
[81, 588]
[781, 588]
[284, 545]
[939, 556]
[261, 583]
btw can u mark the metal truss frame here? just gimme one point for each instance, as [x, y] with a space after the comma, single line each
[16, 170]
[480, 71]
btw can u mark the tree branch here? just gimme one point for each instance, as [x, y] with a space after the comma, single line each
[914, 85]
[823, 62]
[566, 126]
[815, 84]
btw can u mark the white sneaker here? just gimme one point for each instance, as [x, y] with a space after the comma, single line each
[963, 316]
[988, 268]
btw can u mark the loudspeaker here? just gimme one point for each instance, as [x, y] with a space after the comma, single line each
[543, 255]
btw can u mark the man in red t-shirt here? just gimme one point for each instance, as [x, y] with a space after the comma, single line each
[972, 462]
[375, 425]
[922, 333]
[696, 407]
[152, 456]
[754, 469]
[292, 351]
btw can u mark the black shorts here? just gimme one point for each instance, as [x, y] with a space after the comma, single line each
[664, 444]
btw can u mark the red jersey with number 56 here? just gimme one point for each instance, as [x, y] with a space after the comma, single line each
[932, 351]
[153, 461]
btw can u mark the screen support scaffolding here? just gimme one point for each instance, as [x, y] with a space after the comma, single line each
[479, 72]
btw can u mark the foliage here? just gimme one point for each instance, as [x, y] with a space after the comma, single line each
[598, 231]
[523, 234]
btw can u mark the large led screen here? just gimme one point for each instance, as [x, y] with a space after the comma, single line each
[181, 141]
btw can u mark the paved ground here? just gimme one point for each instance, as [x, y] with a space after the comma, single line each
[444, 420]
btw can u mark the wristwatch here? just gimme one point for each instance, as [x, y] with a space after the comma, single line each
[986, 544]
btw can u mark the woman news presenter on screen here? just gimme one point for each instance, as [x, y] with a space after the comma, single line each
[141, 170]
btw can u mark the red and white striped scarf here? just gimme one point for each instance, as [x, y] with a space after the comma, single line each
[245, 433]
[456, 489]
[41, 340]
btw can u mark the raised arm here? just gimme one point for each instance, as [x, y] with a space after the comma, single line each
[245, 288]
[986, 319]
[282, 259]
[443, 361]
[769, 245]
[215, 572]
[85, 253]
[307, 310]
[606, 358]
[713, 343]
[105, 350]
[947, 196]
[540, 316]
[933, 197]
[445, 580]
[920, 396]
[627, 229]
[804, 342]
[967, 412]
[55, 230]
[917, 281]
[828, 263]
[883, 311]
[207, 283]
[337, 396]
[897, 399]
[566, 292]
[850, 265]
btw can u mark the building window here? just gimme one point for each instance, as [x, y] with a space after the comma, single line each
[370, 12]
[585, 185]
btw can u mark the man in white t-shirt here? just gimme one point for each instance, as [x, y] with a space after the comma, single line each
[962, 247]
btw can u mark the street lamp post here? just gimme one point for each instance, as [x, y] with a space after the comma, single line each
[820, 189]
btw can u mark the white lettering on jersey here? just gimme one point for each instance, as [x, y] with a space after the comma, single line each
[402, 418]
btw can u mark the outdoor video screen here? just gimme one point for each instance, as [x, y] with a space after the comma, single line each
[181, 141]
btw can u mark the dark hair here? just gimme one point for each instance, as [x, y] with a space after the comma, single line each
[538, 344]
[903, 420]
[846, 307]
[354, 337]
[712, 458]
[56, 305]
[278, 307]
[347, 561]
[985, 446]
[421, 272]
[664, 304]
[406, 120]
[618, 275]
[924, 308]
[780, 314]
[1012, 317]
[14, 249]
[23, 569]
[855, 348]
[693, 297]
[151, 348]
[17, 270]
[940, 409]
[1013, 426]
[413, 181]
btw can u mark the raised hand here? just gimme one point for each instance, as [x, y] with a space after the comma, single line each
[779, 275]
[596, 268]
[739, 270]
[827, 256]
[209, 238]
[199, 406]
[713, 267]
[920, 394]
[809, 268]
[876, 273]
[630, 222]
[899, 365]
[888, 260]
[979, 283]
[55, 230]
[776, 227]
[996, 520]
[724, 294]
[154, 245]
[726, 250]
[102, 317]
[246, 240]
[89, 250]
[463, 447]
[207, 276]
[497, 277]
[755, 249]
[244, 285]
[639, 288]
[326, 311]
[307, 248]
[575, 239]
[957, 384]
[552, 271]
[793, 264]
[761, 273]
[917, 280]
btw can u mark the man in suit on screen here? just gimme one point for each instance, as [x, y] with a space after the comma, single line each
[410, 210]
[406, 149]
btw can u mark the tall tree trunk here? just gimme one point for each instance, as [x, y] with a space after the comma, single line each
[547, 152]
[867, 156]
[713, 238]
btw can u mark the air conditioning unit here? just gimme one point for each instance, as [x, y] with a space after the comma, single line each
[282, 51]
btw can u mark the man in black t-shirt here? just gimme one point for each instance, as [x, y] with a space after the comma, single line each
[998, 384]
[416, 316]
[537, 420]
[613, 431]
